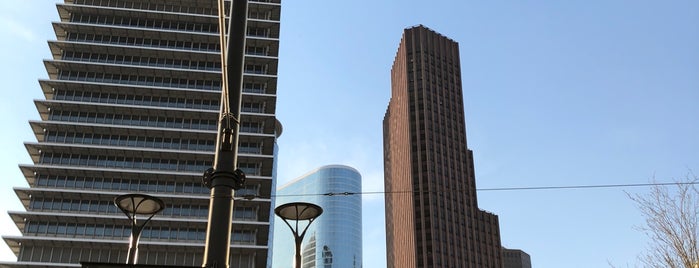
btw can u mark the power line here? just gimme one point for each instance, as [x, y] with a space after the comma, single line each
[588, 186]
[527, 188]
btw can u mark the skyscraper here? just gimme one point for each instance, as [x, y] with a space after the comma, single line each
[131, 106]
[432, 214]
[334, 240]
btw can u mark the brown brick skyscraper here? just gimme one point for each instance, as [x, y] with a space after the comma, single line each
[432, 215]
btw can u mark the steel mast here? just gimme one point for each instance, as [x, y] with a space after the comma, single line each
[223, 179]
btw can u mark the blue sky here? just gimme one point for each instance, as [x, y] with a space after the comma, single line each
[555, 92]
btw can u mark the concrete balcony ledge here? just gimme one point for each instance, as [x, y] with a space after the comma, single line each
[122, 265]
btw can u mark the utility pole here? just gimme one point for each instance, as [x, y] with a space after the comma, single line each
[223, 179]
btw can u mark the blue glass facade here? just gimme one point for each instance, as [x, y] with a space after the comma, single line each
[334, 240]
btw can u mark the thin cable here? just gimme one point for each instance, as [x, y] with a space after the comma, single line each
[587, 186]
[503, 189]
[225, 106]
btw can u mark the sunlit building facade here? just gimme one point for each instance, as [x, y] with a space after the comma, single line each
[131, 106]
[334, 240]
[432, 214]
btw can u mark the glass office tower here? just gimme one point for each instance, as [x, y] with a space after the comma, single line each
[334, 240]
[131, 106]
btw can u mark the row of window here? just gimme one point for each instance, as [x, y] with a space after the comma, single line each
[115, 231]
[255, 50]
[135, 141]
[170, 25]
[117, 254]
[433, 66]
[145, 142]
[149, 6]
[259, 32]
[120, 185]
[151, 186]
[132, 99]
[141, 22]
[139, 163]
[141, 80]
[144, 42]
[445, 57]
[163, 62]
[253, 107]
[124, 162]
[254, 14]
[249, 147]
[259, 88]
[138, 22]
[148, 121]
[240, 213]
[261, 15]
[256, 69]
[143, 61]
[155, 81]
[136, 120]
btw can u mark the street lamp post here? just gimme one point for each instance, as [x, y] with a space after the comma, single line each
[298, 211]
[223, 179]
[137, 204]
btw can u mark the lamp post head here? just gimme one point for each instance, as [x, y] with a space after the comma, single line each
[139, 204]
[298, 211]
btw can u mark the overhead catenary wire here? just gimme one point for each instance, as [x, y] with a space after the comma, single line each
[525, 188]
[223, 41]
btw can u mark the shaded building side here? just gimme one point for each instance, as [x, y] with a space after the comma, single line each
[516, 258]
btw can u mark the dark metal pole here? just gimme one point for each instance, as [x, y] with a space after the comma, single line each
[298, 239]
[297, 257]
[133, 242]
[224, 178]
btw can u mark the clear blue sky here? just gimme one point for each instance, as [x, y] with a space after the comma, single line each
[556, 93]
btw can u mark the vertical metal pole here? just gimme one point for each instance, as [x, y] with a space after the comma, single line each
[297, 257]
[224, 179]
[133, 242]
